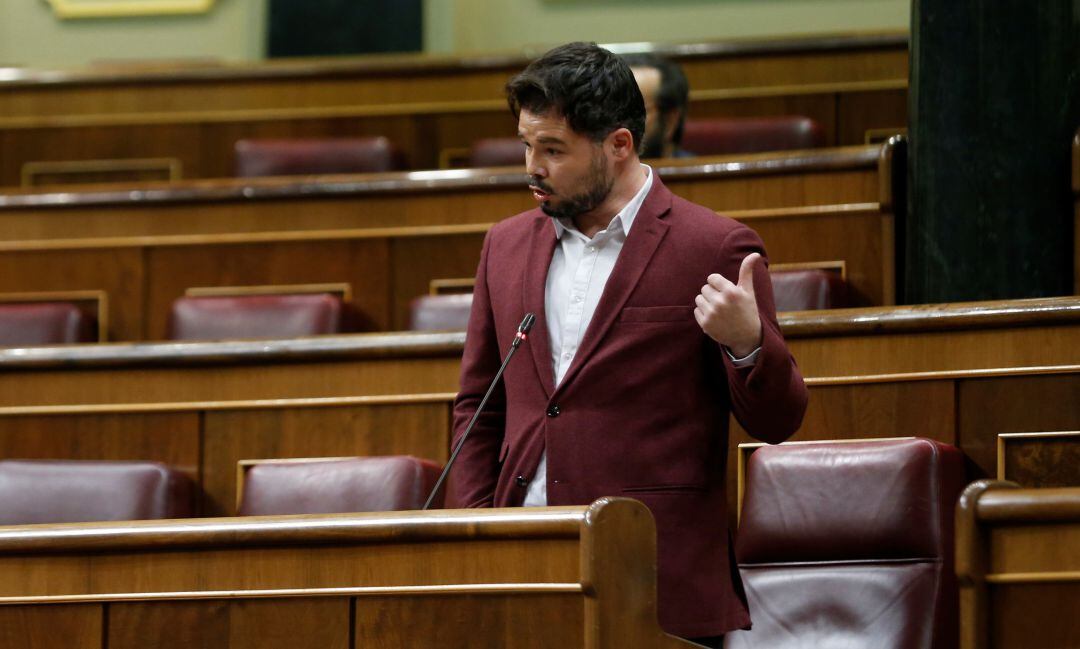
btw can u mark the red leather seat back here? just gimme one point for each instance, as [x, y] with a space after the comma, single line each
[497, 152]
[44, 323]
[77, 491]
[850, 544]
[255, 316]
[364, 484]
[316, 156]
[434, 312]
[730, 135]
[805, 290]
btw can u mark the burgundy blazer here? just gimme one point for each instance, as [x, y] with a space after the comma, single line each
[643, 409]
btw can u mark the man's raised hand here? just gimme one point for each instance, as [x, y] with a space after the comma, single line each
[728, 312]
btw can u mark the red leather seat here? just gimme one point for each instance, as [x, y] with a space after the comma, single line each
[850, 545]
[805, 290]
[497, 152]
[435, 312]
[730, 135]
[78, 491]
[316, 156]
[362, 484]
[26, 324]
[255, 316]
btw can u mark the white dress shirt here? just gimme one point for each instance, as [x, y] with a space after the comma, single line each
[579, 270]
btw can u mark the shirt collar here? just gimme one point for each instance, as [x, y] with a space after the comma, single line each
[625, 217]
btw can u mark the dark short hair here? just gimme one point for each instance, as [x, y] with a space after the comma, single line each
[587, 85]
[674, 89]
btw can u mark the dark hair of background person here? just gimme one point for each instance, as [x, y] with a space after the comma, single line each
[593, 89]
[674, 89]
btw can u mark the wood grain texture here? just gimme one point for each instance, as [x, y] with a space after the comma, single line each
[202, 142]
[463, 622]
[64, 626]
[1018, 566]
[1013, 405]
[354, 580]
[265, 624]
[422, 430]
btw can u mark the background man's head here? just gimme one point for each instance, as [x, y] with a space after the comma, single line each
[666, 93]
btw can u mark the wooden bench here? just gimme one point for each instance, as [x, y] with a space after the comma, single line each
[1018, 563]
[200, 144]
[424, 78]
[203, 407]
[390, 235]
[549, 577]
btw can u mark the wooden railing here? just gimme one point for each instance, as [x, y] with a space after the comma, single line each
[549, 577]
[390, 235]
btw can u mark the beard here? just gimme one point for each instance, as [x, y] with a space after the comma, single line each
[598, 185]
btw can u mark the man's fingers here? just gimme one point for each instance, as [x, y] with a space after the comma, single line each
[719, 282]
[746, 272]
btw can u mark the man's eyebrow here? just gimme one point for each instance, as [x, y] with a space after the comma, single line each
[544, 139]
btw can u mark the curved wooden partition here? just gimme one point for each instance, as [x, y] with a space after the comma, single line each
[545, 577]
[399, 79]
[390, 235]
[135, 123]
[1018, 563]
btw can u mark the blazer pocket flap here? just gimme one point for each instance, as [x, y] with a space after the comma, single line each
[657, 314]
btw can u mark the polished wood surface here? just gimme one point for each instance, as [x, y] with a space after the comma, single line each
[1018, 563]
[412, 363]
[1039, 459]
[391, 235]
[201, 143]
[560, 576]
[381, 79]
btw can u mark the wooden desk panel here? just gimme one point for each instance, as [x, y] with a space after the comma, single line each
[1018, 563]
[412, 363]
[390, 235]
[851, 175]
[201, 144]
[571, 576]
[424, 78]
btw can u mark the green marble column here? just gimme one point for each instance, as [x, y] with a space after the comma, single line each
[993, 109]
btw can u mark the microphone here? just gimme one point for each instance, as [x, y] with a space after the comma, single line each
[522, 334]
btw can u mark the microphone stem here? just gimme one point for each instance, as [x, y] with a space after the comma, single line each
[472, 422]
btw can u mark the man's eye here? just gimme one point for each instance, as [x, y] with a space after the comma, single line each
[552, 151]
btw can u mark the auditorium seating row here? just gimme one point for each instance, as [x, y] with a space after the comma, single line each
[285, 312]
[78, 491]
[124, 126]
[309, 156]
[882, 569]
[390, 236]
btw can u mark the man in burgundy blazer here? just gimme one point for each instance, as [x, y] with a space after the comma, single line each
[642, 409]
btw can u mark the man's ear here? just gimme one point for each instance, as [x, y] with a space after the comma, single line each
[622, 143]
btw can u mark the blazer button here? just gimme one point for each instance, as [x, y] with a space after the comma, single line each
[520, 480]
[553, 411]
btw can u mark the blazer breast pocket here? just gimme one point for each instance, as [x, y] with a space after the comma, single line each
[657, 314]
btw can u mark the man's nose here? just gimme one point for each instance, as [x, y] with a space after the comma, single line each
[533, 167]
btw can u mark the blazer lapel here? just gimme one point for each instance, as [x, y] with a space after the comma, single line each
[534, 284]
[645, 236]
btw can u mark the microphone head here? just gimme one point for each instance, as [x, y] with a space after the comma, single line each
[526, 323]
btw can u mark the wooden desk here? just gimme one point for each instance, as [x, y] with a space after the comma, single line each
[424, 78]
[390, 235]
[204, 406]
[550, 577]
[1018, 562]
